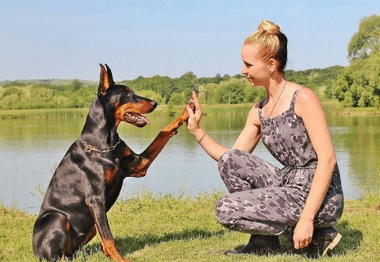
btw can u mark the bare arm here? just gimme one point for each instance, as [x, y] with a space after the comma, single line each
[310, 110]
[246, 141]
[250, 135]
[211, 147]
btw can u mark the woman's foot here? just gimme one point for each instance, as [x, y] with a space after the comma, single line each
[258, 244]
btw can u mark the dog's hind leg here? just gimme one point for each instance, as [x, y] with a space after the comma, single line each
[89, 236]
[52, 237]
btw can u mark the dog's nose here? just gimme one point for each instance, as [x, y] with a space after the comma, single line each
[153, 104]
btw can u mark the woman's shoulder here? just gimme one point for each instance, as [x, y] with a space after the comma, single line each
[306, 99]
[253, 115]
[306, 95]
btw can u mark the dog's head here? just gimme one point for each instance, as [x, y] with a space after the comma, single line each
[122, 101]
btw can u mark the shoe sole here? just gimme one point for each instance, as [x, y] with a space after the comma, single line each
[333, 244]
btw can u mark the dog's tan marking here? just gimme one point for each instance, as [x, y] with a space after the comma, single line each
[111, 174]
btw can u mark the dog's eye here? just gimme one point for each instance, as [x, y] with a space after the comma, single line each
[126, 96]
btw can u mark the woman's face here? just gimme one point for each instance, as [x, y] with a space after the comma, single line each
[254, 67]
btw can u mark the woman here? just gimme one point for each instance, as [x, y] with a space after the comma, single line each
[305, 198]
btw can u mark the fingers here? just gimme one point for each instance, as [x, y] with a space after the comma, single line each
[301, 244]
[195, 100]
[195, 113]
[190, 110]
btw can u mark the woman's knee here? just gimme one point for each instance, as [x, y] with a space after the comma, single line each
[221, 210]
[224, 158]
[225, 211]
[229, 159]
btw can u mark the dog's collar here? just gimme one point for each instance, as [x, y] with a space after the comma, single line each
[88, 148]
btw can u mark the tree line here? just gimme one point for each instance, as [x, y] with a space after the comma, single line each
[357, 85]
[165, 90]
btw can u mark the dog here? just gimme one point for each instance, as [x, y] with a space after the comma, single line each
[89, 178]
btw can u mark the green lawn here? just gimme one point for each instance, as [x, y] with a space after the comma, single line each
[167, 228]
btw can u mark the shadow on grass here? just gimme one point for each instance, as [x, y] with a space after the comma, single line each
[129, 245]
[351, 238]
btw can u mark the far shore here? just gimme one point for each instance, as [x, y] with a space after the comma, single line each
[331, 107]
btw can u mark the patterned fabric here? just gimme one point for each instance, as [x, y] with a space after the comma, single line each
[268, 200]
[286, 138]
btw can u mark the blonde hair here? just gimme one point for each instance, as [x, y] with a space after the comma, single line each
[272, 41]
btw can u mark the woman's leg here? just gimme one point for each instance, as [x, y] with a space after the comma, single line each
[257, 204]
[262, 211]
[242, 171]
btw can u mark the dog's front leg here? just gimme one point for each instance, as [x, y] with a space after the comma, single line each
[140, 166]
[98, 211]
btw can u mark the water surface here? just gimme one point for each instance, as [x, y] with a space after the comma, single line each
[30, 149]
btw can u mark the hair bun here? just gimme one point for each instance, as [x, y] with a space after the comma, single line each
[269, 27]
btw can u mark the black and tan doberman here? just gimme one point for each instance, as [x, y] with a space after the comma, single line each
[89, 178]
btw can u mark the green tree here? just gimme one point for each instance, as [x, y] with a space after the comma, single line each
[206, 93]
[230, 92]
[254, 94]
[367, 39]
[77, 85]
[152, 95]
[176, 99]
[359, 83]
[9, 101]
[186, 81]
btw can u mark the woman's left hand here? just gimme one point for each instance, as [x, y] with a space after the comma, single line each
[303, 234]
[195, 115]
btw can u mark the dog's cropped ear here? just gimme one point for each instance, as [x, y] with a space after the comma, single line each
[106, 79]
[109, 73]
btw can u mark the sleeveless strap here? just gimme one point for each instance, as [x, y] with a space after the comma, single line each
[292, 103]
[261, 107]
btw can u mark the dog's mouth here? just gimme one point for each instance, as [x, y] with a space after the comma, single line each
[136, 119]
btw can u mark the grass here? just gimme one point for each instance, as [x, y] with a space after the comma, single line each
[44, 113]
[168, 228]
[333, 107]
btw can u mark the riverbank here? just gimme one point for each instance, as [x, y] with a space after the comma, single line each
[165, 228]
[331, 107]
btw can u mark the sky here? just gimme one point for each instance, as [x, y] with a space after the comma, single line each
[55, 39]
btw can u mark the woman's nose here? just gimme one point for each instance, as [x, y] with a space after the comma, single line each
[244, 69]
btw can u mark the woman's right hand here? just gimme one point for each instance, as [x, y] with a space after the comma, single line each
[212, 148]
[195, 115]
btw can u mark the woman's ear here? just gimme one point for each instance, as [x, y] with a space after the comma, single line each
[272, 65]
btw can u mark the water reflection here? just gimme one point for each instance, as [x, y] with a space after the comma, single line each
[30, 149]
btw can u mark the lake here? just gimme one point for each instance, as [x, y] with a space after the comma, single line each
[31, 148]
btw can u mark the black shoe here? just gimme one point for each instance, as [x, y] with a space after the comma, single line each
[258, 244]
[324, 241]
